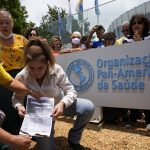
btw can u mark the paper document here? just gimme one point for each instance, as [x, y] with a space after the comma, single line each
[37, 121]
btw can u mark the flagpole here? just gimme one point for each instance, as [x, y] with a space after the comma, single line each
[82, 27]
[97, 19]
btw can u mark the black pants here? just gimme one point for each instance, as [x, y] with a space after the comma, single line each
[12, 121]
[135, 114]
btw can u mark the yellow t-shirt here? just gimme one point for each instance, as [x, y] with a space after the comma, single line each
[12, 56]
[119, 41]
[4, 76]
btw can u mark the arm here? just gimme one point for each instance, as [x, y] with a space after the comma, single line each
[88, 41]
[75, 49]
[16, 141]
[68, 90]
[14, 85]
[18, 97]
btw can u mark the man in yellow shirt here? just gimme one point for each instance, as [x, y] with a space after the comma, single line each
[16, 141]
[125, 31]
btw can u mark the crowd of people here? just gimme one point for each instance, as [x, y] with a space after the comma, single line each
[28, 67]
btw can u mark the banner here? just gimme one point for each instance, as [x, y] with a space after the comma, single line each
[114, 76]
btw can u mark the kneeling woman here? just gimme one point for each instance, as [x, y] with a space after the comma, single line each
[43, 74]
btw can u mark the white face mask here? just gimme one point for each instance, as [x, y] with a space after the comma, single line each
[6, 37]
[76, 41]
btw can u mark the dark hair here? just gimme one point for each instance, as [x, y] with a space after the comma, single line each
[52, 41]
[28, 32]
[110, 36]
[144, 20]
[100, 27]
[38, 49]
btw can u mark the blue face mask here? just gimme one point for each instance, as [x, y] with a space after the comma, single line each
[75, 41]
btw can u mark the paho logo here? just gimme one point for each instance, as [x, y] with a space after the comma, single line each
[81, 74]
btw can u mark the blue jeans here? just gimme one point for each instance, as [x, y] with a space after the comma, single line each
[83, 109]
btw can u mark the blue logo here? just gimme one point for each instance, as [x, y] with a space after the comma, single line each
[80, 74]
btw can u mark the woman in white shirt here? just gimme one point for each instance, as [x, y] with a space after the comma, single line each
[43, 74]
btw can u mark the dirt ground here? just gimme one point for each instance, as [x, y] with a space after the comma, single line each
[104, 137]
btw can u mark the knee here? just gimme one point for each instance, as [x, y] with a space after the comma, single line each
[89, 107]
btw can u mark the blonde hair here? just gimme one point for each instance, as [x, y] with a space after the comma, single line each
[77, 33]
[4, 12]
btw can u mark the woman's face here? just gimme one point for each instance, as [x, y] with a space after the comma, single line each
[6, 24]
[32, 34]
[37, 69]
[56, 42]
[138, 26]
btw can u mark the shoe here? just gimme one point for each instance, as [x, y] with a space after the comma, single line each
[130, 125]
[148, 127]
[76, 146]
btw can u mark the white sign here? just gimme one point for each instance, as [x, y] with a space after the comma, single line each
[114, 76]
[37, 121]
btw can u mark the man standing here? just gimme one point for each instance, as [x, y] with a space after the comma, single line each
[99, 30]
[125, 31]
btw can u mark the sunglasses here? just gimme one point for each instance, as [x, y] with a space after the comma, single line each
[137, 22]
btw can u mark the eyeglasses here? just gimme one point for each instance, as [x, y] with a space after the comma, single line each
[137, 22]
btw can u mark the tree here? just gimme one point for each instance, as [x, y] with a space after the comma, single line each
[18, 13]
[49, 25]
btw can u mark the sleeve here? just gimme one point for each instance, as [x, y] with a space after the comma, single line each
[18, 98]
[67, 87]
[4, 76]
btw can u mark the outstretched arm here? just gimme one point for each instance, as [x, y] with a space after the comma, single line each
[16, 141]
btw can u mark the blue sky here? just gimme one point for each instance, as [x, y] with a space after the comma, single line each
[38, 8]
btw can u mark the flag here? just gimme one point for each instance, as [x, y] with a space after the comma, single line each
[97, 11]
[60, 23]
[69, 19]
[79, 9]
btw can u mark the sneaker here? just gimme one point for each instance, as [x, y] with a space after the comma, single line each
[148, 127]
[130, 125]
[76, 146]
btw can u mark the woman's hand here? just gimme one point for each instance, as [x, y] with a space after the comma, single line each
[35, 94]
[58, 109]
[21, 111]
[137, 36]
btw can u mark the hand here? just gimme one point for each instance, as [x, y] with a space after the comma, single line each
[94, 29]
[137, 36]
[65, 51]
[21, 111]
[20, 142]
[58, 109]
[35, 94]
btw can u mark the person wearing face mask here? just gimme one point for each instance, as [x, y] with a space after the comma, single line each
[11, 55]
[76, 44]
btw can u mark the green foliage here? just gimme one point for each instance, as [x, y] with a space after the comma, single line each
[49, 24]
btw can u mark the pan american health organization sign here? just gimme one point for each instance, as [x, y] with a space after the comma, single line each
[114, 76]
